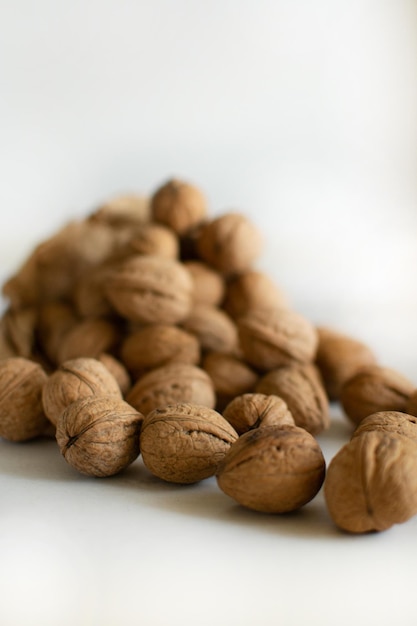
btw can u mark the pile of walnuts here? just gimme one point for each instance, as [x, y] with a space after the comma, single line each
[146, 329]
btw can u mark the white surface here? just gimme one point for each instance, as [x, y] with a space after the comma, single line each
[300, 114]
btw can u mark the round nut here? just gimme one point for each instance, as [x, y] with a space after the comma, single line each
[184, 443]
[179, 205]
[21, 412]
[274, 469]
[153, 346]
[371, 483]
[99, 435]
[124, 210]
[373, 389]
[154, 240]
[338, 358]
[255, 410]
[151, 290]
[214, 329]
[117, 370]
[252, 290]
[301, 388]
[230, 376]
[209, 286]
[170, 384]
[229, 243]
[393, 422]
[89, 338]
[276, 337]
[75, 379]
[55, 319]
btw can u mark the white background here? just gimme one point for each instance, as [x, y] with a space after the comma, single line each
[302, 115]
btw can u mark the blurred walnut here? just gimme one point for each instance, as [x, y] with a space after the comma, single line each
[209, 285]
[230, 376]
[276, 337]
[89, 338]
[179, 205]
[55, 320]
[117, 370]
[338, 358]
[21, 412]
[214, 329]
[252, 290]
[184, 443]
[99, 435]
[121, 211]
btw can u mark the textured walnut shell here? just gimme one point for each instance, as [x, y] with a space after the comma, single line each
[117, 370]
[75, 379]
[89, 338]
[55, 319]
[151, 289]
[391, 422]
[179, 205]
[276, 337]
[230, 376]
[252, 290]
[170, 384]
[214, 329]
[338, 358]
[21, 412]
[184, 443]
[301, 388]
[209, 285]
[229, 243]
[153, 346]
[255, 410]
[99, 435]
[123, 210]
[371, 483]
[374, 389]
[274, 469]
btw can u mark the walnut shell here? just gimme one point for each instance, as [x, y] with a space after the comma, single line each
[75, 379]
[209, 285]
[151, 289]
[301, 388]
[374, 389]
[117, 370]
[179, 205]
[230, 243]
[214, 329]
[339, 357]
[274, 469]
[154, 240]
[393, 422]
[123, 210]
[153, 346]
[276, 337]
[184, 443]
[255, 410]
[89, 294]
[252, 290]
[371, 483]
[89, 338]
[55, 320]
[230, 376]
[99, 435]
[21, 412]
[20, 326]
[170, 384]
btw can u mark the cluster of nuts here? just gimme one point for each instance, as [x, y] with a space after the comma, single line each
[145, 329]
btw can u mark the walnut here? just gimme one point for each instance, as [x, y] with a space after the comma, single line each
[252, 290]
[75, 379]
[55, 320]
[230, 376]
[117, 370]
[276, 337]
[21, 412]
[121, 211]
[170, 384]
[214, 329]
[274, 469]
[89, 338]
[209, 285]
[375, 388]
[184, 443]
[155, 240]
[393, 422]
[89, 295]
[153, 346]
[301, 388]
[371, 483]
[339, 357]
[151, 289]
[179, 205]
[255, 410]
[230, 243]
[99, 435]
[20, 329]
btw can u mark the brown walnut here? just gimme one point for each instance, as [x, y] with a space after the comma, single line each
[254, 410]
[209, 286]
[252, 290]
[179, 205]
[230, 376]
[214, 329]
